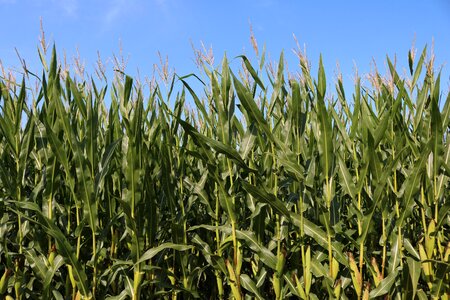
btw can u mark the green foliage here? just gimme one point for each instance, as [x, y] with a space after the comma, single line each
[298, 195]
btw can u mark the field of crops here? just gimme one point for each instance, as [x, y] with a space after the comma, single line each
[259, 184]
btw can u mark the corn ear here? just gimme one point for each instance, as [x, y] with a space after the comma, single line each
[52, 255]
[366, 291]
[4, 281]
[447, 252]
[427, 267]
[430, 239]
[337, 289]
[335, 269]
[71, 277]
[233, 281]
[299, 286]
[239, 260]
[376, 274]
[308, 274]
[355, 274]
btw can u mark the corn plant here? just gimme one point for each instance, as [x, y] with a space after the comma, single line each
[270, 188]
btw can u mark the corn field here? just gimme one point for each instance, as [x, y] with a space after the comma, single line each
[271, 187]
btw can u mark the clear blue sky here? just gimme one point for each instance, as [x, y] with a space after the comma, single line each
[348, 32]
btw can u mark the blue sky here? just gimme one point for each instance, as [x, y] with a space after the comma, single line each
[345, 32]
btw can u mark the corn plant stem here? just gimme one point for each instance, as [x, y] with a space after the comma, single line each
[219, 285]
[361, 246]
[77, 215]
[399, 237]
[233, 224]
[68, 230]
[183, 216]
[18, 277]
[94, 250]
[94, 241]
[50, 202]
[302, 247]
[218, 249]
[330, 250]
[233, 229]
[175, 238]
[19, 223]
[137, 269]
[300, 207]
[19, 199]
[17, 281]
[383, 261]
[112, 250]
[234, 237]
[137, 277]
[137, 284]
[330, 247]
[113, 253]
[277, 282]
[435, 198]
[422, 210]
[302, 231]
[19, 219]
[78, 248]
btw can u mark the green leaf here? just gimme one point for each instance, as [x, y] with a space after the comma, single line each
[7, 129]
[414, 268]
[419, 67]
[62, 244]
[251, 108]
[266, 256]
[325, 140]
[411, 186]
[227, 202]
[250, 239]
[250, 286]
[217, 262]
[443, 214]
[152, 252]
[346, 179]
[58, 262]
[385, 285]
[292, 287]
[289, 162]
[422, 295]
[410, 248]
[77, 96]
[252, 71]
[446, 112]
[216, 145]
[394, 258]
[320, 236]
[264, 196]
[436, 132]
[27, 144]
[247, 142]
[105, 165]
[322, 84]
[197, 101]
[441, 284]
[37, 263]
[342, 130]
[410, 61]
[127, 89]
